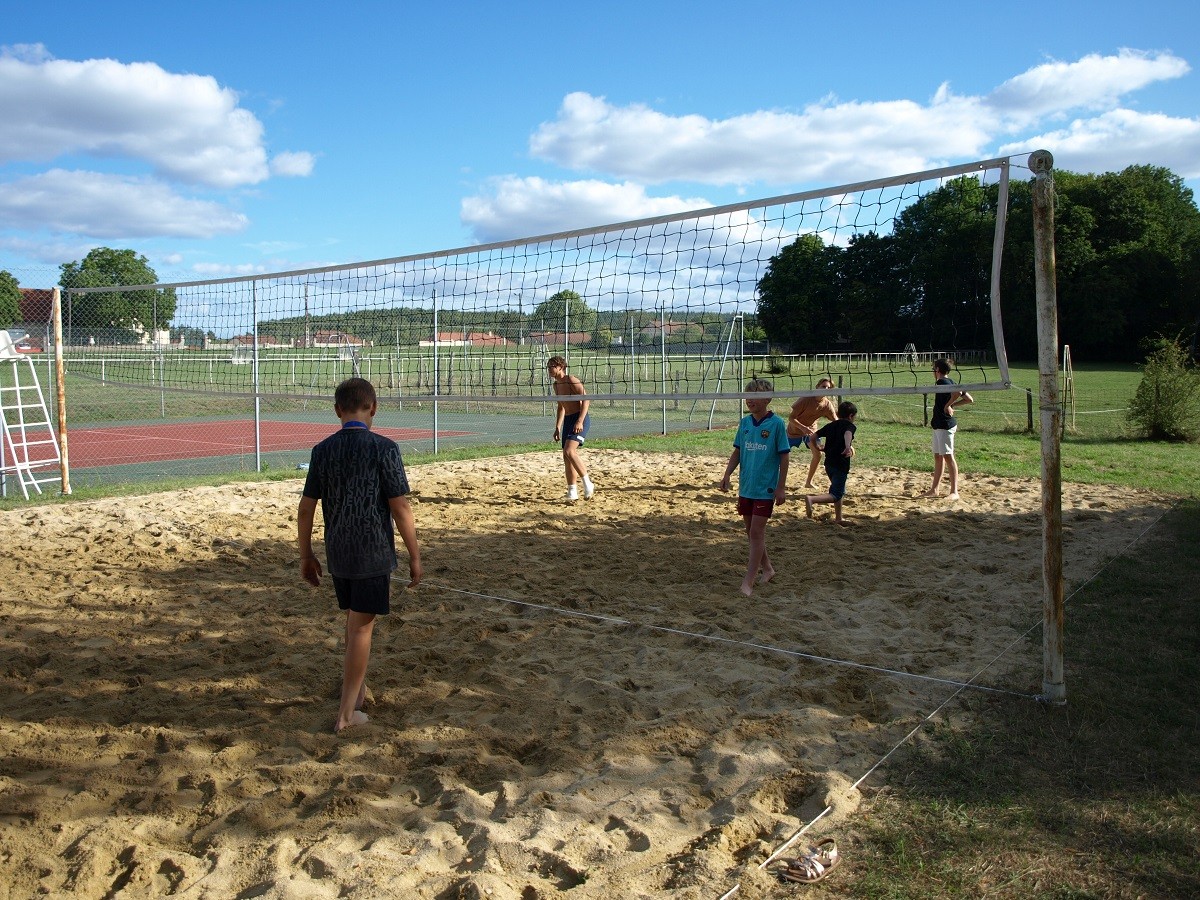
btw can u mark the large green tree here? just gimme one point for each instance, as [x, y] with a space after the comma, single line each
[798, 296]
[1141, 276]
[10, 299]
[138, 311]
[564, 308]
[1127, 250]
[945, 242]
[874, 301]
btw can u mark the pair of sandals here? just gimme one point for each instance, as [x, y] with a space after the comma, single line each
[821, 859]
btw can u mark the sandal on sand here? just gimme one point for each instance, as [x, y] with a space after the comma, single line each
[813, 866]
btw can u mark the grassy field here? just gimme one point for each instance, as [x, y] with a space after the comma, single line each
[1097, 799]
[1170, 468]
[995, 433]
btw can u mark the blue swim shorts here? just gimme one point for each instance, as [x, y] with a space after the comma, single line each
[568, 429]
[837, 482]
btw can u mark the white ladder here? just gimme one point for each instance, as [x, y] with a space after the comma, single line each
[30, 446]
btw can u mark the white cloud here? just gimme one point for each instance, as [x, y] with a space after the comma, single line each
[834, 142]
[110, 206]
[187, 127]
[49, 253]
[1121, 138]
[827, 141]
[297, 165]
[528, 206]
[1094, 82]
[221, 270]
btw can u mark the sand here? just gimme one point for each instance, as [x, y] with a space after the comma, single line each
[577, 702]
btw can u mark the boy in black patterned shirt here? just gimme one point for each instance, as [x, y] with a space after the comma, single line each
[359, 478]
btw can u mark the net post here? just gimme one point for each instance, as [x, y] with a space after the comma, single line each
[1041, 163]
[60, 392]
[258, 461]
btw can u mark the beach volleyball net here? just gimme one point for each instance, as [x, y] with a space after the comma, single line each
[664, 319]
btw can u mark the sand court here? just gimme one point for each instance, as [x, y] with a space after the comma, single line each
[577, 702]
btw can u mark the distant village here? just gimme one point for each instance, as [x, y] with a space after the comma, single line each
[32, 335]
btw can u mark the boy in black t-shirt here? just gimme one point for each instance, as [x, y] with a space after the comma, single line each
[944, 425]
[359, 479]
[836, 441]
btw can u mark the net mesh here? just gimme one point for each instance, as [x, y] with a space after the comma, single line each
[666, 307]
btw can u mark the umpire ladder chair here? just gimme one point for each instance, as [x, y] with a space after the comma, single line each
[30, 447]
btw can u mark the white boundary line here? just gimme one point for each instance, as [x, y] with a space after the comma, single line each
[765, 648]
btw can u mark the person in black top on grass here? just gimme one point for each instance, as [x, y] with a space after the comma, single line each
[944, 425]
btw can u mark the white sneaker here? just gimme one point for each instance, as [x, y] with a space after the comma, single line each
[588, 488]
[572, 493]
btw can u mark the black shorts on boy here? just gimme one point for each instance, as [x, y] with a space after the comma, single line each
[370, 596]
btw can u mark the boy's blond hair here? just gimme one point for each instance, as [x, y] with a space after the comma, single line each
[759, 384]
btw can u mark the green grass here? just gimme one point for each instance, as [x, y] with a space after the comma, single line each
[1168, 468]
[1100, 798]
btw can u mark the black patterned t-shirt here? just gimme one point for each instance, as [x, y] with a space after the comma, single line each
[354, 473]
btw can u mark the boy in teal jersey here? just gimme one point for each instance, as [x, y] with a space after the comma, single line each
[761, 451]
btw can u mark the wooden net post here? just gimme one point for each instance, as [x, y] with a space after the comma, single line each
[60, 391]
[1041, 163]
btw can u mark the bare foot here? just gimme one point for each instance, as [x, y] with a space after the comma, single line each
[843, 522]
[953, 496]
[359, 718]
[767, 575]
[808, 506]
[929, 495]
[809, 485]
[747, 589]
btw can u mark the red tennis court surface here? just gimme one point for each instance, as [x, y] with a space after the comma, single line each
[91, 447]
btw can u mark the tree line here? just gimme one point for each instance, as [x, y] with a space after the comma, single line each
[1127, 248]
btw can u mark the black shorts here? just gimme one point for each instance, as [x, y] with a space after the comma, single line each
[364, 595]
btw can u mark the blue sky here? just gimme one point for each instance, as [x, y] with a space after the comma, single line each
[228, 138]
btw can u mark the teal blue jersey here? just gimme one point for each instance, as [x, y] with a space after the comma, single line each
[760, 444]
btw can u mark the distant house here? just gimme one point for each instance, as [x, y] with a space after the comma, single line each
[558, 339]
[658, 328]
[247, 340]
[337, 339]
[469, 339]
[36, 307]
[37, 304]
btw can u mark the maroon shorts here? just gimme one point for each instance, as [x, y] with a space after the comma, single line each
[748, 507]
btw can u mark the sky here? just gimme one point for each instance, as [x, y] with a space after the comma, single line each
[236, 138]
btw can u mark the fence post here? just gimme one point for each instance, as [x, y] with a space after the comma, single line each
[1029, 410]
